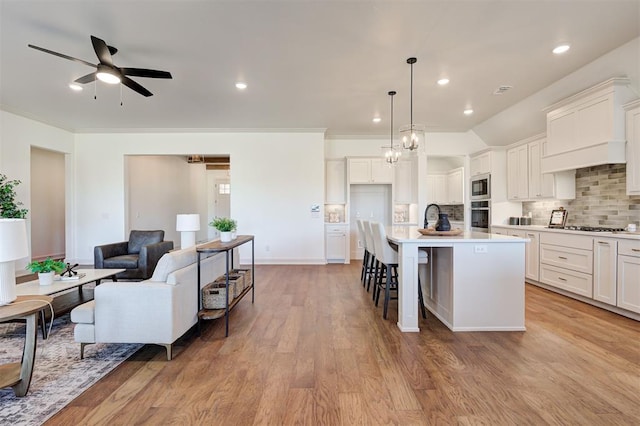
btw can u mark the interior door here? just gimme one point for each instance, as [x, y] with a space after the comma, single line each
[221, 204]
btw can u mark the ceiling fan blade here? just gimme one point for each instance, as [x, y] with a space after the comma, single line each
[86, 78]
[102, 51]
[135, 86]
[141, 72]
[42, 49]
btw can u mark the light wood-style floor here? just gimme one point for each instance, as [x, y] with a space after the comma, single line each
[314, 350]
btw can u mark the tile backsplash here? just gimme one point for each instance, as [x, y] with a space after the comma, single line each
[601, 200]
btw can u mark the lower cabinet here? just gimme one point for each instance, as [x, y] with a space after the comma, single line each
[605, 259]
[336, 243]
[566, 262]
[532, 250]
[628, 296]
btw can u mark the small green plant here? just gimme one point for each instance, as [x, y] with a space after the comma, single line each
[9, 207]
[48, 265]
[224, 224]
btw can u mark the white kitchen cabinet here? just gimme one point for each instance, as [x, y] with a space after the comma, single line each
[336, 243]
[335, 182]
[605, 259]
[628, 296]
[587, 129]
[518, 173]
[532, 250]
[403, 183]
[566, 262]
[370, 170]
[480, 163]
[437, 188]
[455, 186]
[540, 184]
[633, 147]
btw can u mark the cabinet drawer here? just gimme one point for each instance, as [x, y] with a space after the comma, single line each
[564, 257]
[575, 282]
[576, 241]
[629, 248]
[336, 229]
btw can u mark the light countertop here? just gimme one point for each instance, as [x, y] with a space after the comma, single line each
[406, 234]
[541, 228]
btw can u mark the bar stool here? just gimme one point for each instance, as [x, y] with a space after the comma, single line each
[373, 261]
[365, 258]
[388, 257]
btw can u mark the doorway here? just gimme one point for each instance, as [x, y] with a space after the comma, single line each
[219, 198]
[47, 210]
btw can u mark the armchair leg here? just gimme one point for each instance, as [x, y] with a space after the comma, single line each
[169, 349]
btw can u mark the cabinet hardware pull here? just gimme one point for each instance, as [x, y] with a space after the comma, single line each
[603, 243]
[561, 279]
[562, 257]
[635, 249]
[530, 235]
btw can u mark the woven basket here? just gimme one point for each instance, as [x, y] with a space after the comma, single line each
[214, 295]
[248, 278]
[236, 284]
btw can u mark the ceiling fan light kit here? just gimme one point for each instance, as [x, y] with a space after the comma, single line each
[106, 71]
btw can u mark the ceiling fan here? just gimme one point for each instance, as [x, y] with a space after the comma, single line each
[106, 71]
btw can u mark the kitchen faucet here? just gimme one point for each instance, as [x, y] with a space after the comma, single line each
[426, 223]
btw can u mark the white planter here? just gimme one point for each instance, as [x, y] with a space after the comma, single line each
[45, 278]
[234, 234]
[225, 237]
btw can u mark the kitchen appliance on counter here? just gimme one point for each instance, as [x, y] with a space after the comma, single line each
[524, 220]
[481, 187]
[480, 215]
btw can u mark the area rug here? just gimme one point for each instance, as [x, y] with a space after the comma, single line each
[59, 374]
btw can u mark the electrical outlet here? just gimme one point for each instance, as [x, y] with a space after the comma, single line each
[480, 248]
[267, 248]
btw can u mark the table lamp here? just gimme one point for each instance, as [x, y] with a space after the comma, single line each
[187, 225]
[13, 246]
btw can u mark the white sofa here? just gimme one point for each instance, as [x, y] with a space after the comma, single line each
[158, 310]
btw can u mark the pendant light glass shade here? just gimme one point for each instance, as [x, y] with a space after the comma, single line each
[413, 134]
[391, 153]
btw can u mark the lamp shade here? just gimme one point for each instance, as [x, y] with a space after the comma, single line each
[13, 239]
[188, 222]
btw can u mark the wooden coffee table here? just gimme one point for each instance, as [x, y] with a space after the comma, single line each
[65, 300]
[18, 374]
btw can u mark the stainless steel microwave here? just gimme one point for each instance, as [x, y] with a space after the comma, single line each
[481, 187]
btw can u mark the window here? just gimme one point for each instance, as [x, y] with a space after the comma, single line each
[224, 188]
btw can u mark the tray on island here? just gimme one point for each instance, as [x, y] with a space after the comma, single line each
[453, 232]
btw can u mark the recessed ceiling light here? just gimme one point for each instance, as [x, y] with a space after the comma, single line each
[76, 87]
[561, 49]
[468, 111]
[377, 119]
[241, 86]
[443, 81]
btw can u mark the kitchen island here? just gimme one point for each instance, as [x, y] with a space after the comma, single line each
[473, 281]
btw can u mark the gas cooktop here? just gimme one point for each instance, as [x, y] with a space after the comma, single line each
[591, 228]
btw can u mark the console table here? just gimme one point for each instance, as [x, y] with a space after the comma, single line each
[18, 374]
[219, 247]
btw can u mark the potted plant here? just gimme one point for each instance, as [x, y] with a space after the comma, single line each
[46, 269]
[9, 207]
[225, 226]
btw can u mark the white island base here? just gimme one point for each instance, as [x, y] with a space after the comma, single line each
[473, 282]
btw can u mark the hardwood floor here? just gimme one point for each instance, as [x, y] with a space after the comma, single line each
[313, 349]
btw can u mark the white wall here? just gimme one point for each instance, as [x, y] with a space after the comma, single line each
[17, 136]
[276, 178]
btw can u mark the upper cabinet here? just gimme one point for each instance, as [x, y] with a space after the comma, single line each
[633, 147]
[369, 170]
[525, 180]
[404, 185]
[480, 163]
[587, 129]
[335, 182]
[446, 187]
[455, 186]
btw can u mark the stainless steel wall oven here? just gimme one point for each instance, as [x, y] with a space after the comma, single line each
[480, 215]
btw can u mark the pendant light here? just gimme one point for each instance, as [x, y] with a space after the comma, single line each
[412, 135]
[391, 154]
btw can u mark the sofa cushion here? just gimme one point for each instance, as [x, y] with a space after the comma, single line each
[126, 261]
[137, 239]
[173, 261]
[84, 313]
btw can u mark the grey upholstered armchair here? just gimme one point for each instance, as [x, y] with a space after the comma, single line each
[138, 256]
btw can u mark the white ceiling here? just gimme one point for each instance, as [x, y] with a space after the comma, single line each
[309, 64]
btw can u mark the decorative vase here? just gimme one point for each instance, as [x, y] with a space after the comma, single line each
[225, 237]
[45, 278]
[443, 223]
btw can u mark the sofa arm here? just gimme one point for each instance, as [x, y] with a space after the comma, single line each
[100, 253]
[143, 312]
[150, 255]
